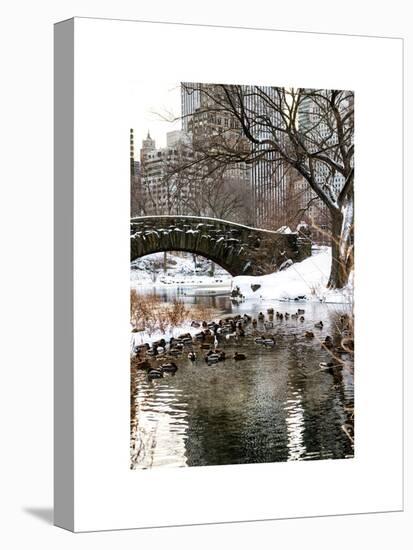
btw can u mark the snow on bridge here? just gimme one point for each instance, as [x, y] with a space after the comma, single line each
[239, 249]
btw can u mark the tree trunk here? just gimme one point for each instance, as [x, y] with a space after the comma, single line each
[342, 259]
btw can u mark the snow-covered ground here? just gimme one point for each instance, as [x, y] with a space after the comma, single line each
[307, 279]
[181, 271]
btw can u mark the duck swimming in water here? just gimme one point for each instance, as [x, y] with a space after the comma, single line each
[169, 367]
[319, 324]
[212, 358]
[155, 373]
[328, 342]
[268, 342]
[239, 356]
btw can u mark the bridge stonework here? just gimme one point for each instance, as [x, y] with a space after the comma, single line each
[239, 249]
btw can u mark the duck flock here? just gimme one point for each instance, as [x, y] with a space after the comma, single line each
[160, 357]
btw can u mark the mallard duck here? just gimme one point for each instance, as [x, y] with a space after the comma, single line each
[143, 365]
[169, 367]
[155, 373]
[269, 342]
[302, 318]
[328, 342]
[239, 356]
[175, 352]
[319, 324]
[212, 358]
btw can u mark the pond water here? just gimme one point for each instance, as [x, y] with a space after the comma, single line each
[277, 405]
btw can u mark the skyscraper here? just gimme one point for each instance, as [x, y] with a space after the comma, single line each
[265, 175]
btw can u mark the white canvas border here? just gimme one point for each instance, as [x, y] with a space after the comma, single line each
[107, 494]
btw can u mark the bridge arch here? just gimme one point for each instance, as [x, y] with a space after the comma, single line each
[239, 249]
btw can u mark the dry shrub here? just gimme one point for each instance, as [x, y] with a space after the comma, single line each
[150, 314]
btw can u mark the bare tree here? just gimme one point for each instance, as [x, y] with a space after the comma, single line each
[309, 130]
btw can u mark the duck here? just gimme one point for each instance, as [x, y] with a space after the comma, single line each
[294, 316]
[268, 342]
[195, 324]
[268, 324]
[239, 356]
[319, 324]
[302, 318]
[254, 322]
[259, 340]
[270, 311]
[300, 311]
[142, 347]
[212, 358]
[287, 315]
[260, 316]
[328, 342]
[329, 367]
[169, 367]
[186, 335]
[155, 373]
[143, 365]
[192, 355]
[309, 334]
[175, 352]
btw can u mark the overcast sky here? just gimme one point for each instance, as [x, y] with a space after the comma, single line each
[150, 102]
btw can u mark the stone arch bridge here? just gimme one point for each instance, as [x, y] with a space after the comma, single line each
[239, 249]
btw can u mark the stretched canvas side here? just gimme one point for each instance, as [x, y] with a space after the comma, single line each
[63, 275]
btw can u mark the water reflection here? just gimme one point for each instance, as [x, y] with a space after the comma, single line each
[275, 406]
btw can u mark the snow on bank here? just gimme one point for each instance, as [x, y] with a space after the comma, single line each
[307, 279]
[181, 271]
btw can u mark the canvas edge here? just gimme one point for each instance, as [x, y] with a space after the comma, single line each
[63, 355]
